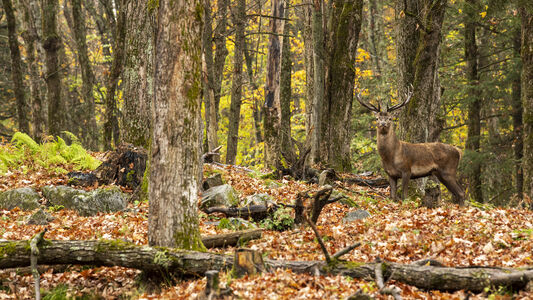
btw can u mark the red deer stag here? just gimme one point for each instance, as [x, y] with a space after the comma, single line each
[406, 160]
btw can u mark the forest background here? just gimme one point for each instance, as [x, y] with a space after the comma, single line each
[85, 67]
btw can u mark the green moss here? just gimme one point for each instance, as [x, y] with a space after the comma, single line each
[189, 242]
[152, 6]
[161, 259]
[8, 249]
[129, 176]
[113, 245]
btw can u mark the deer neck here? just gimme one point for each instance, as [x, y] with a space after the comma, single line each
[388, 144]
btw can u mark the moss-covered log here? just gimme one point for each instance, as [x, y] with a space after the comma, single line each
[157, 259]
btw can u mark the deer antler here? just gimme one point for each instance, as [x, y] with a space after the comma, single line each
[367, 105]
[408, 96]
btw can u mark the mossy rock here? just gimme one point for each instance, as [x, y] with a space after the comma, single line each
[257, 199]
[86, 203]
[40, 217]
[356, 215]
[221, 195]
[25, 198]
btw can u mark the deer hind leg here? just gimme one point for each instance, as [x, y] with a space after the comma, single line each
[405, 184]
[393, 188]
[453, 186]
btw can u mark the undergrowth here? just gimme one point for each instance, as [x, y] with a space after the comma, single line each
[53, 155]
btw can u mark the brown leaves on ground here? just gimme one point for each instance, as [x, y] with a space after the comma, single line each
[399, 232]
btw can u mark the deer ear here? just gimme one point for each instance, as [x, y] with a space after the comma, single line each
[375, 113]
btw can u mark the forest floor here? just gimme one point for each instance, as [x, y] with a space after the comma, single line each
[397, 232]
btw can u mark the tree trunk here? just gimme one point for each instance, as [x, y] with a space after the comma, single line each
[221, 51]
[526, 13]
[518, 145]
[169, 261]
[51, 45]
[372, 31]
[345, 20]
[209, 79]
[239, 21]
[318, 80]
[16, 68]
[111, 130]
[309, 73]
[32, 41]
[474, 98]
[418, 39]
[138, 74]
[175, 163]
[285, 93]
[272, 106]
[88, 112]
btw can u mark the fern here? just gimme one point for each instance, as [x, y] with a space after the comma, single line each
[21, 139]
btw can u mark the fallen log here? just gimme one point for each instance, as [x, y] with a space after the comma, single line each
[377, 183]
[162, 260]
[256, 212]
[231, 239]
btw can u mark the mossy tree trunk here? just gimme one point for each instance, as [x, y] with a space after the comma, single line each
[345, 25]
[33, 45]
[16, 68]
[272, 106]
[88, 122]
[111, 129]
[175, 154]
[419, 24]
[138, 73]
[239, 20]
[526, 14]
[471, 8]
[51, 45]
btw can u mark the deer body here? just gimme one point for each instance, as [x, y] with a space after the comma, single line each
[405, 161]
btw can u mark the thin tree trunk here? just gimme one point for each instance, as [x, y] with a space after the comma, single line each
[175, 162]
[318, 80]
[111, 130]
[51, 45]
[16, 68]
[307, 30]
[373, 13]
[239, 21]
[221, 51]
[526, 14]
[285, 93]
[271, 108]
[87, 76]
[517, 119]
[138, 74]
[209, 79]
[32, 41]
[474, 98]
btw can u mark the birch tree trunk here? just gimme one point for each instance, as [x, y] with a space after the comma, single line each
[239, 20]
[175, 156]
[16, 68]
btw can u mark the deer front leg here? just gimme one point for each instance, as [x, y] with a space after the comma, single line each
[392, 183]
[405, 184]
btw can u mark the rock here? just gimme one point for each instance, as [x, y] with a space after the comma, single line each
[257, 199]
[212, 181]
[25, 198]
[86, 203]
[356, 215]
[237, 224]
[327, 177]
[222, 195]
[41, 217]
[81, 179]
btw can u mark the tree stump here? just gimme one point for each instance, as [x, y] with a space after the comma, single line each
[124, 166]
[247, 261]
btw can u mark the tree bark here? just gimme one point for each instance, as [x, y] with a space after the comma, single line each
[285, 93]
[345, 20]
[176, 261]
[209, 79]
[526, 14]
[418, 39]
[474, 98]
[221, 51]
[309, 72]
[111, 129]
[318, 80]
[16, 68]
[32, 41]
[272, 106]
[138, 74]
[175, 166]
[51, 45]
[518, 144]
[88, 123]
[239, 20]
